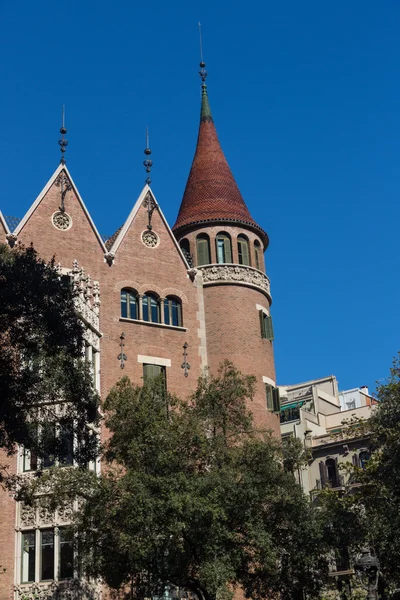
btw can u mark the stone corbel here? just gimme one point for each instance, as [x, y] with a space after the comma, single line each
[192, 274]
[11, 239]
[109, 258]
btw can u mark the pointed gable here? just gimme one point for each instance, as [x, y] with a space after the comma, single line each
[136, 237]
[58, 222]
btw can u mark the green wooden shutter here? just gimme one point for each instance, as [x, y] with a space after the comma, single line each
[270, 397]
[257, 257]
[276, 400]
[228, 250]
[268, 329]
[203, 252]
[245, 252]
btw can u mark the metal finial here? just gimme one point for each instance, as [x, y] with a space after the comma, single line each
[202, 72]
[147, 162]
[63, 142]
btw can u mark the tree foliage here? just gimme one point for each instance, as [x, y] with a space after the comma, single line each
[193, 497]
[41, 344]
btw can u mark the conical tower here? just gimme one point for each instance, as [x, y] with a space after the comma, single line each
[223, 242]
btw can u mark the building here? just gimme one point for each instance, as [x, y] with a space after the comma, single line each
[191, 295]
[315, 412]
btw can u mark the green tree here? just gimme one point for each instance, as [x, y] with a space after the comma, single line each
[193, 497]
[41, 344]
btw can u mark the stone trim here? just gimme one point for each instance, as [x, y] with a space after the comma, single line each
[268, 380]
[236, 274]
[163, 325]
[154, 360]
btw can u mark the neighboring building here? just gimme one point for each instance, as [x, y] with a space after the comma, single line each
[312, 412]
[191, 296]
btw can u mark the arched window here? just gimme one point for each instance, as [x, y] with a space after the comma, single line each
[257, 255]
[172, 311]
[223, 247]
[332, 472]
[185, 247]
[243, 250]
[203, 249]
[129, 304]
[150, 308]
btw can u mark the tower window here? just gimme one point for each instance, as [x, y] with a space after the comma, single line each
[203, 249]
[129, 304]
[257, 254]
[243, 250]
[224, 248]
[151, 308]
[153, 371]
[28, 557]
[172, 311]
[267, 330]
[185, 247]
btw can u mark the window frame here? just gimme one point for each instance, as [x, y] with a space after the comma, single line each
[168, 305]
[130, 295]
[203, 237]
[266, 326]
[223, 243]
[151, 300]
[243, 242]
[257, 255]
[57, 555]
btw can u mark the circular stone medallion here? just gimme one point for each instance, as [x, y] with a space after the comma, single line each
[150, 239]
[61, 220]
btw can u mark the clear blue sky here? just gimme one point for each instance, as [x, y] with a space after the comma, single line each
[305, 96]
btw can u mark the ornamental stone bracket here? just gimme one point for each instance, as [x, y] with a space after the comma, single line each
[237, 274]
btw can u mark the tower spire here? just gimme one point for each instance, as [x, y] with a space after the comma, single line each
[147, 162]
[63, 142]
[205, 106]
[211, 193]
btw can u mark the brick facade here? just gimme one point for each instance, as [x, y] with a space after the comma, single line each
[220, 307]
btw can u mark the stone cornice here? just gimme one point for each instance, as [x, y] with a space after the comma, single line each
[237, 274]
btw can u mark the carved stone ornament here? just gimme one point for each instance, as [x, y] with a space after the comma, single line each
[11, 239]
[150, 239]
[27, 515]
[62, 590]
[61, 220]
[236, 274]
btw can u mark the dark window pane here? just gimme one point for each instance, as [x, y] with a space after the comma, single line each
[155, 318]
[48, 435]
[124, 305]
[175, 314]
[145, 308]
[166, 312]
[47, 555]
[66, 442]
[132, 307]
[28, 557]
[66, 554]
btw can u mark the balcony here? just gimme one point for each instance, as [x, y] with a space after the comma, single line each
[332, 483]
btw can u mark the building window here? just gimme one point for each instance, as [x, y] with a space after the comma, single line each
[151, 308]
[224, 248]
[51, 437]
[172, 311]
[52, 565]
[47, 555]
[129, 304]
[333, 479]
[257, 255]
[243, 250]
[267, 330]
[203, 249]
[66, 554]
[185, 247]
[273, 399]
[363, 458]
[66, 441]
[152, 371]
[28, 557]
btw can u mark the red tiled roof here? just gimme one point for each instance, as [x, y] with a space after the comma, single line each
[211, 192]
